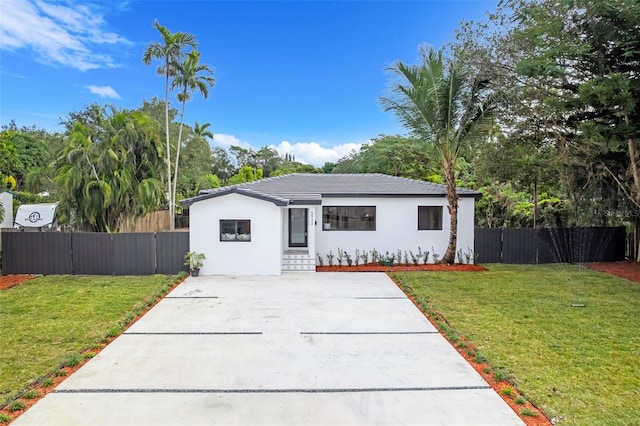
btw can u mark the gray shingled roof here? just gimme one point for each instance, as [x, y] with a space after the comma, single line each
[310, 188]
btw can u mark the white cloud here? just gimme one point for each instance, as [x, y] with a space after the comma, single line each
[315, 154]
[64, 34]
[104, 91]
[226, 141]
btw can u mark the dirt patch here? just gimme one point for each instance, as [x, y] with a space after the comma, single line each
[376, 267]
[623, 269]
[8, 281]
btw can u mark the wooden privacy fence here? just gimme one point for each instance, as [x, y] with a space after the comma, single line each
[549, 245]
[93, 253]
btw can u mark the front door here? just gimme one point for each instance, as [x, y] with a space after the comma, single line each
[297, 227]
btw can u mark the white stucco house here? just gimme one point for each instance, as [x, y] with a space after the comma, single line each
[283, 223]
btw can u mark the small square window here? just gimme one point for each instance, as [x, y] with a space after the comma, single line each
[429, 218]
[235, 230]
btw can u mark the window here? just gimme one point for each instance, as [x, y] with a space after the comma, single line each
[349, 218]
[429, 218]
[235, 230]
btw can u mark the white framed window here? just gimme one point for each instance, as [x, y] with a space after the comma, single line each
[429, 218]
[235, 230]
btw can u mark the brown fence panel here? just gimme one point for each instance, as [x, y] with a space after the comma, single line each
[134, 254]
[170, 250]
[36, 253]
[92, 253]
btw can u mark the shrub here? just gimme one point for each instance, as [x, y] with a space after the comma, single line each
[330, 257]
[365, 257]
[414, 258]
[356, 258]
[340, 257]
[320, 260]
[521, 400]
[47, 382]
[348, 258]
[16, 406]
[73, 360]
[507, 391]
[4, 419]
[527, 412]
[31, 394]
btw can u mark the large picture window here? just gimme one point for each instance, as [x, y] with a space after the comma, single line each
[349, 218]
[429, 218]
[235, 230]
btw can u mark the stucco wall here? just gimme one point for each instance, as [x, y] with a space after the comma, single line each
[260, 256]
[396, 227]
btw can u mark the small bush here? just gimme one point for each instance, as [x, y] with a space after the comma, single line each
[114, 331]
[348, 259]
[365, 257]
[16, 406]
[480, 358]
[320, 259]
[47, 382]
[527, 412]
[89, 355]
[507, 391]
[60, 373]
[340, 256]
[521, 400]
[330, 257]
[4, 419]
[502, 375]
[73, 360]
[31, 394]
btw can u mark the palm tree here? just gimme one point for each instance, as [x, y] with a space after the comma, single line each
[202, 131]
[189, 78]
[443, 104]
[171, 52]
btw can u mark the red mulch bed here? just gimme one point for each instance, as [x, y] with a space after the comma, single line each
[376, 267]
[8, 281]
[623, 269]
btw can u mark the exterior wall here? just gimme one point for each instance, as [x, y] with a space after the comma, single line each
[396, 227]
[260, 256]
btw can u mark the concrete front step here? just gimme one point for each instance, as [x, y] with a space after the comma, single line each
[298, 262]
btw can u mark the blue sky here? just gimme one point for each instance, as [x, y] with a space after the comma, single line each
[301, 76]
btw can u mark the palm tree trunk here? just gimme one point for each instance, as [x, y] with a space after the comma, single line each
[452, 197]
[166, 120]
[175, 169]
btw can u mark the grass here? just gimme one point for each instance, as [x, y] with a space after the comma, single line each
[577, 363]
[48, 321]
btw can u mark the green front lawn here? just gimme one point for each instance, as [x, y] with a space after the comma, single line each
[49, 319]
[569, 336]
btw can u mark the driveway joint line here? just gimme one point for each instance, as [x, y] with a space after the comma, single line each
[195, 333]
[380, 297]
[292, 390]
[191, 297]
[366, 332]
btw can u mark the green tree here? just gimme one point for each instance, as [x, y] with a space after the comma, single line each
[442, 103]
[171, 52]
[196, 163]
[190, 76]
[104, 182]
[585, 55]
[393, 155]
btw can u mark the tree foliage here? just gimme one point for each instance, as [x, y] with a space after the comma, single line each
[112, 175]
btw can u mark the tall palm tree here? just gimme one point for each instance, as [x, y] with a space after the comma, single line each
[190, 76]
[443, 104]
[171, 52]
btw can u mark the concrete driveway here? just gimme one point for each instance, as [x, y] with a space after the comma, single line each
[298, 349]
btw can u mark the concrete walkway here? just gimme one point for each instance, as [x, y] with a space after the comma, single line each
[299, 349]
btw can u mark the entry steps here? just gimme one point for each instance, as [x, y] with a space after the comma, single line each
[298, 261]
